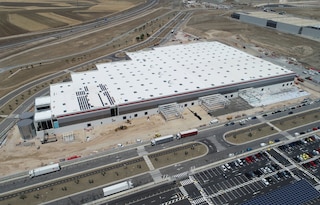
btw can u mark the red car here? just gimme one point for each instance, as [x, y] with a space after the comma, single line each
[248, 160]
[312, 164]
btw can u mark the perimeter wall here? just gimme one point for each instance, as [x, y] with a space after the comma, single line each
[312, 32]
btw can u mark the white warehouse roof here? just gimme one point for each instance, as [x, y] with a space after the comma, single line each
[162, 71]
[44, 100]
[42, 116]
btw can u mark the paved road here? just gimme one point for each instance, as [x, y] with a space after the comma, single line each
[212, 137]
[4, 124]
[63, 34]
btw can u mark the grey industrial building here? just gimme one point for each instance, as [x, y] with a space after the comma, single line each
[281, 22]
[126, 89]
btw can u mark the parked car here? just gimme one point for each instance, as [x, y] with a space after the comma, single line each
[265, 181]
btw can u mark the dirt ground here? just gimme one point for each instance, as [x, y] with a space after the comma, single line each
[17, 156]
[18, 17]
[210, 25]
[249, 134]
[108, 174]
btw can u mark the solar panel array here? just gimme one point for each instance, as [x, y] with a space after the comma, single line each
[160, 73]
[83, 100]
[293, 194]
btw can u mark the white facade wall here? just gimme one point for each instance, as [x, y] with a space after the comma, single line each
[110, 120]
[140, 114]
[276, 86]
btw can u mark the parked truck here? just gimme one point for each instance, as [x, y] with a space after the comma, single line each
[116, 188]
[44, 170]
[160, 140]
[187, 133]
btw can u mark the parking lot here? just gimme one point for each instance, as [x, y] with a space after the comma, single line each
[251, 177]
[237, 181]
[305, 152]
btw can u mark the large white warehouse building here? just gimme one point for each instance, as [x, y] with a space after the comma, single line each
[132, 88]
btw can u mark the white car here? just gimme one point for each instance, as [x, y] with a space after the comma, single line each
[240, 162]
[228, 166]
[223, 168]
[265, 181]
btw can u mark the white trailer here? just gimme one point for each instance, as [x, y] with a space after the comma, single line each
[160, 140]
[113, 189]
[44, 170]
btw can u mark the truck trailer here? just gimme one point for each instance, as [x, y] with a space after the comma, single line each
[160, 140]
[187, 133]
[113, 189]
[44, 170]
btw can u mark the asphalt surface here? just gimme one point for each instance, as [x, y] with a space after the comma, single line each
[7, 123]
[234, 186]
[218, 150]
[76, 167]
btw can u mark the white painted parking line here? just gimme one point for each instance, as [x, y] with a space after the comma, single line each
[208, 175]
[232, 182]
[223, 185]
[229, 185]
[216, 201]
[260, 185]
[219, 199]
[243, 193]
[233, 194]
[211, 172]
[205, 176]
[241, 179]
[196, 177]
[206, 191]
[216, 189]
[212, 190]
[225, 200]
[209, 190]
[238, 182]
[237, 193]
[220, 187]
[250, 188]
[255, 186]
[246, 189]
[219, 171]
[216, 173]
[227, 195]
[208, 172]
[201, 177]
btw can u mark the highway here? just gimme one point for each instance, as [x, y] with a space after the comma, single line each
[165, 189]
[219, 150]
[74, 31]
[154, 39]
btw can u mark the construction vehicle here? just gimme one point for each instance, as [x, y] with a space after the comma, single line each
[47, 139]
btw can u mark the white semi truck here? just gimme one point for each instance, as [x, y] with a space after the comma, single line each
[113, 189]
[44, 170]
[160, 140]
